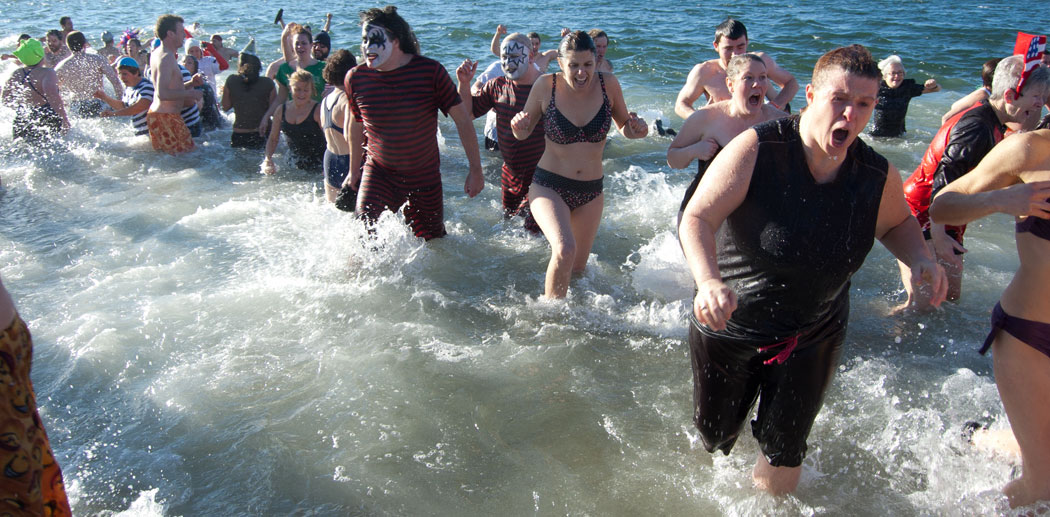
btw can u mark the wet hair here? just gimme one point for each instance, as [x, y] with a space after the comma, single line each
[338, 64]
[893, 59]
[741, 62]
[56, 33]
[249, 68]
[302, 76]
[76, 41]
[191, 59]
[578, 41]
[988, 71]
[730, 29]
[1009, 71]
[534, 35]
[597, 33]
[165, 24]
[63, 21]
[216, 37]
[398, 28]
[854, 60]
[302, 29]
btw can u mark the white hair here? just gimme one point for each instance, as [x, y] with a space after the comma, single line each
[885, 63]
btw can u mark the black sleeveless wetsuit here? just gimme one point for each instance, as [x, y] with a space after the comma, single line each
[305, 140]
[788, 252]
[36, 124]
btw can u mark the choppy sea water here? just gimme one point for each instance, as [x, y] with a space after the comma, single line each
[211, 341]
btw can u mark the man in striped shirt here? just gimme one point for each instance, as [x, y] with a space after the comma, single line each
[394, 97]
[138, 95]
[507, 95]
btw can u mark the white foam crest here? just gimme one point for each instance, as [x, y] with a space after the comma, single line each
[659, 269]
[145, 505]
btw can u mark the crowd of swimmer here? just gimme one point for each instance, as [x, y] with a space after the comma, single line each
[781, 213]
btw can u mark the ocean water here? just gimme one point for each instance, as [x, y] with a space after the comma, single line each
[210, 341]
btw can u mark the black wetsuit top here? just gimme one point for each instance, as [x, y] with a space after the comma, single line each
[892, 107]
[970, 140]
[789, 250]
[701, 168]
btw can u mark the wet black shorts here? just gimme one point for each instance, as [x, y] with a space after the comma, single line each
[730, 374]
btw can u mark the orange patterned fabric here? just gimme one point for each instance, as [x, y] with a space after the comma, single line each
[168, 133]
[30, 479]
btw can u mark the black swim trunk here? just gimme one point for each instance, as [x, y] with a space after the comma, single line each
[251, 140]
[730, 374]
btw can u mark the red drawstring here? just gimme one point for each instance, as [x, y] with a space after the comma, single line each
[790, 343]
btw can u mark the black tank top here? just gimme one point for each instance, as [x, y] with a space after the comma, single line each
[305, 140]
[790, 249]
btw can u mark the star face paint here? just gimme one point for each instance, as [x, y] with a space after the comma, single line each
[375, 45]
[514, 59]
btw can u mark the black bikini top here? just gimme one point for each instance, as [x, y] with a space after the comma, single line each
[1036, 226]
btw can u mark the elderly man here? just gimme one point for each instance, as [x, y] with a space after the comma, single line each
[708, 79]
[80, 76]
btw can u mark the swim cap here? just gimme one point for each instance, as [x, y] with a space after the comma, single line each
[127, 61]
[107, 37]
[30, 52]
[324, 39]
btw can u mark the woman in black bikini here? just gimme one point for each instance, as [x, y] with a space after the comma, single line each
[1014, 178]
[305, 138]
[33, 93]
[565, 198]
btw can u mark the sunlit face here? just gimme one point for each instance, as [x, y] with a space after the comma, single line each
[1018, 109]
[376, 45]
[319, 51]
[128, 78]
[302, 44]
[180, 33]
[577, 67]
[195, 52]
[893, 75]
[514, 59]
[839, 109]
[216, 40]
[53, 43]
[134, 47]
[535, 44]
[727, 48]
[601, 43]
[749, 87]
[302, 90]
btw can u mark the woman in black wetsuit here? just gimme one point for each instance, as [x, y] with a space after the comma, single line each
[895, 92]
[300, 121]
[1014, 178]
[781, 220]
[32, 92]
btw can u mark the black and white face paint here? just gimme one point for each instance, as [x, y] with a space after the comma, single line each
[375, 45]
[514, 59]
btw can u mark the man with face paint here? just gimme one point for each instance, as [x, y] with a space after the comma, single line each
[708, 79]
[540, 59]
[394, 98]
[507, 95]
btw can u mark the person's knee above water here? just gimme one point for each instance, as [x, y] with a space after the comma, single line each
[576, 107]
[770, 314]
